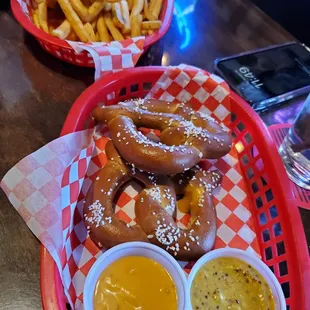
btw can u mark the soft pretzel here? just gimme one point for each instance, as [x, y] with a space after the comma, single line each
[186, 136]
[160, 226]
[105, 229]
[155, 209]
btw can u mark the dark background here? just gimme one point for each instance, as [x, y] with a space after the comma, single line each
[293, 15]
[4, 4]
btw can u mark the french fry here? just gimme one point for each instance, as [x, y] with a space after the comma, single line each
[156, 8]
[88, 27]
[147, 12]
[151, 5]
[87, 15]
[35, 18]
[74, 20]
[126, 17]
[117, 15]
[94, 25]
[130, 4]
[117, 36]
[42, 15]
[136, 21]
[80, 9]
[137, 7]
[63, 31]
[151, 25]
[97, 20]
[94, 10]
[103, 30]
[97, 37]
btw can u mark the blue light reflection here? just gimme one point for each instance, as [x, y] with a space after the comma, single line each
[182, 11]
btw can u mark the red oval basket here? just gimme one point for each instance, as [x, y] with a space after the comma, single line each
[280, 235]
[62, 50]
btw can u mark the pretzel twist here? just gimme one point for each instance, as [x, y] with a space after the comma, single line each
[186, 136]
[155, 209]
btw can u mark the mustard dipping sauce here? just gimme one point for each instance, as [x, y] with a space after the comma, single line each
[135, 283]
[230, 283]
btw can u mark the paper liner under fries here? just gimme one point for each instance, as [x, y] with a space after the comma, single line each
[112, 57]
[48, 187]
[107, 57]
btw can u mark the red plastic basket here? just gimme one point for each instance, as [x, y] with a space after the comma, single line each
[62, 50]
[277, 221]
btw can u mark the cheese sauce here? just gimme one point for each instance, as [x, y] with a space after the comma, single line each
[135, 283]
[230, 283]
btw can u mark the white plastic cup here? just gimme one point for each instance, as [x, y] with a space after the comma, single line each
[137, 249]
[250, 259]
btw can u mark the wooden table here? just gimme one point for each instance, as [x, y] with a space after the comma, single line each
[37, 91]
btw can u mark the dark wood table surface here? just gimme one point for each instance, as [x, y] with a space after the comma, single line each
[37, 91]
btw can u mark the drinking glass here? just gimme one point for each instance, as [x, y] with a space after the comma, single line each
[295, 149]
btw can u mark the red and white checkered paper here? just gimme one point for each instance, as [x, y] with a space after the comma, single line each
[107, 57]
[33, 186]
[49, 186]
[112, 57]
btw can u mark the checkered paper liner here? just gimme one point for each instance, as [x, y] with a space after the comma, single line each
[48, 187]
[112, 57]
[33, 186]
[107, 57]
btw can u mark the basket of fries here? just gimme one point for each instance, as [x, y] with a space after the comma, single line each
[59, 25]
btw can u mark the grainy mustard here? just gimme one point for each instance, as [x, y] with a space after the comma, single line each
[230, 283]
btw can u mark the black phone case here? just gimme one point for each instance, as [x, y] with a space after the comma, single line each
[263, 105]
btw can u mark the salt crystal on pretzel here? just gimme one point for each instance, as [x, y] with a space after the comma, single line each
[186, 136]
[155, 209]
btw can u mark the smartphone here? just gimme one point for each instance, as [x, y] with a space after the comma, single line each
[267, 77]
